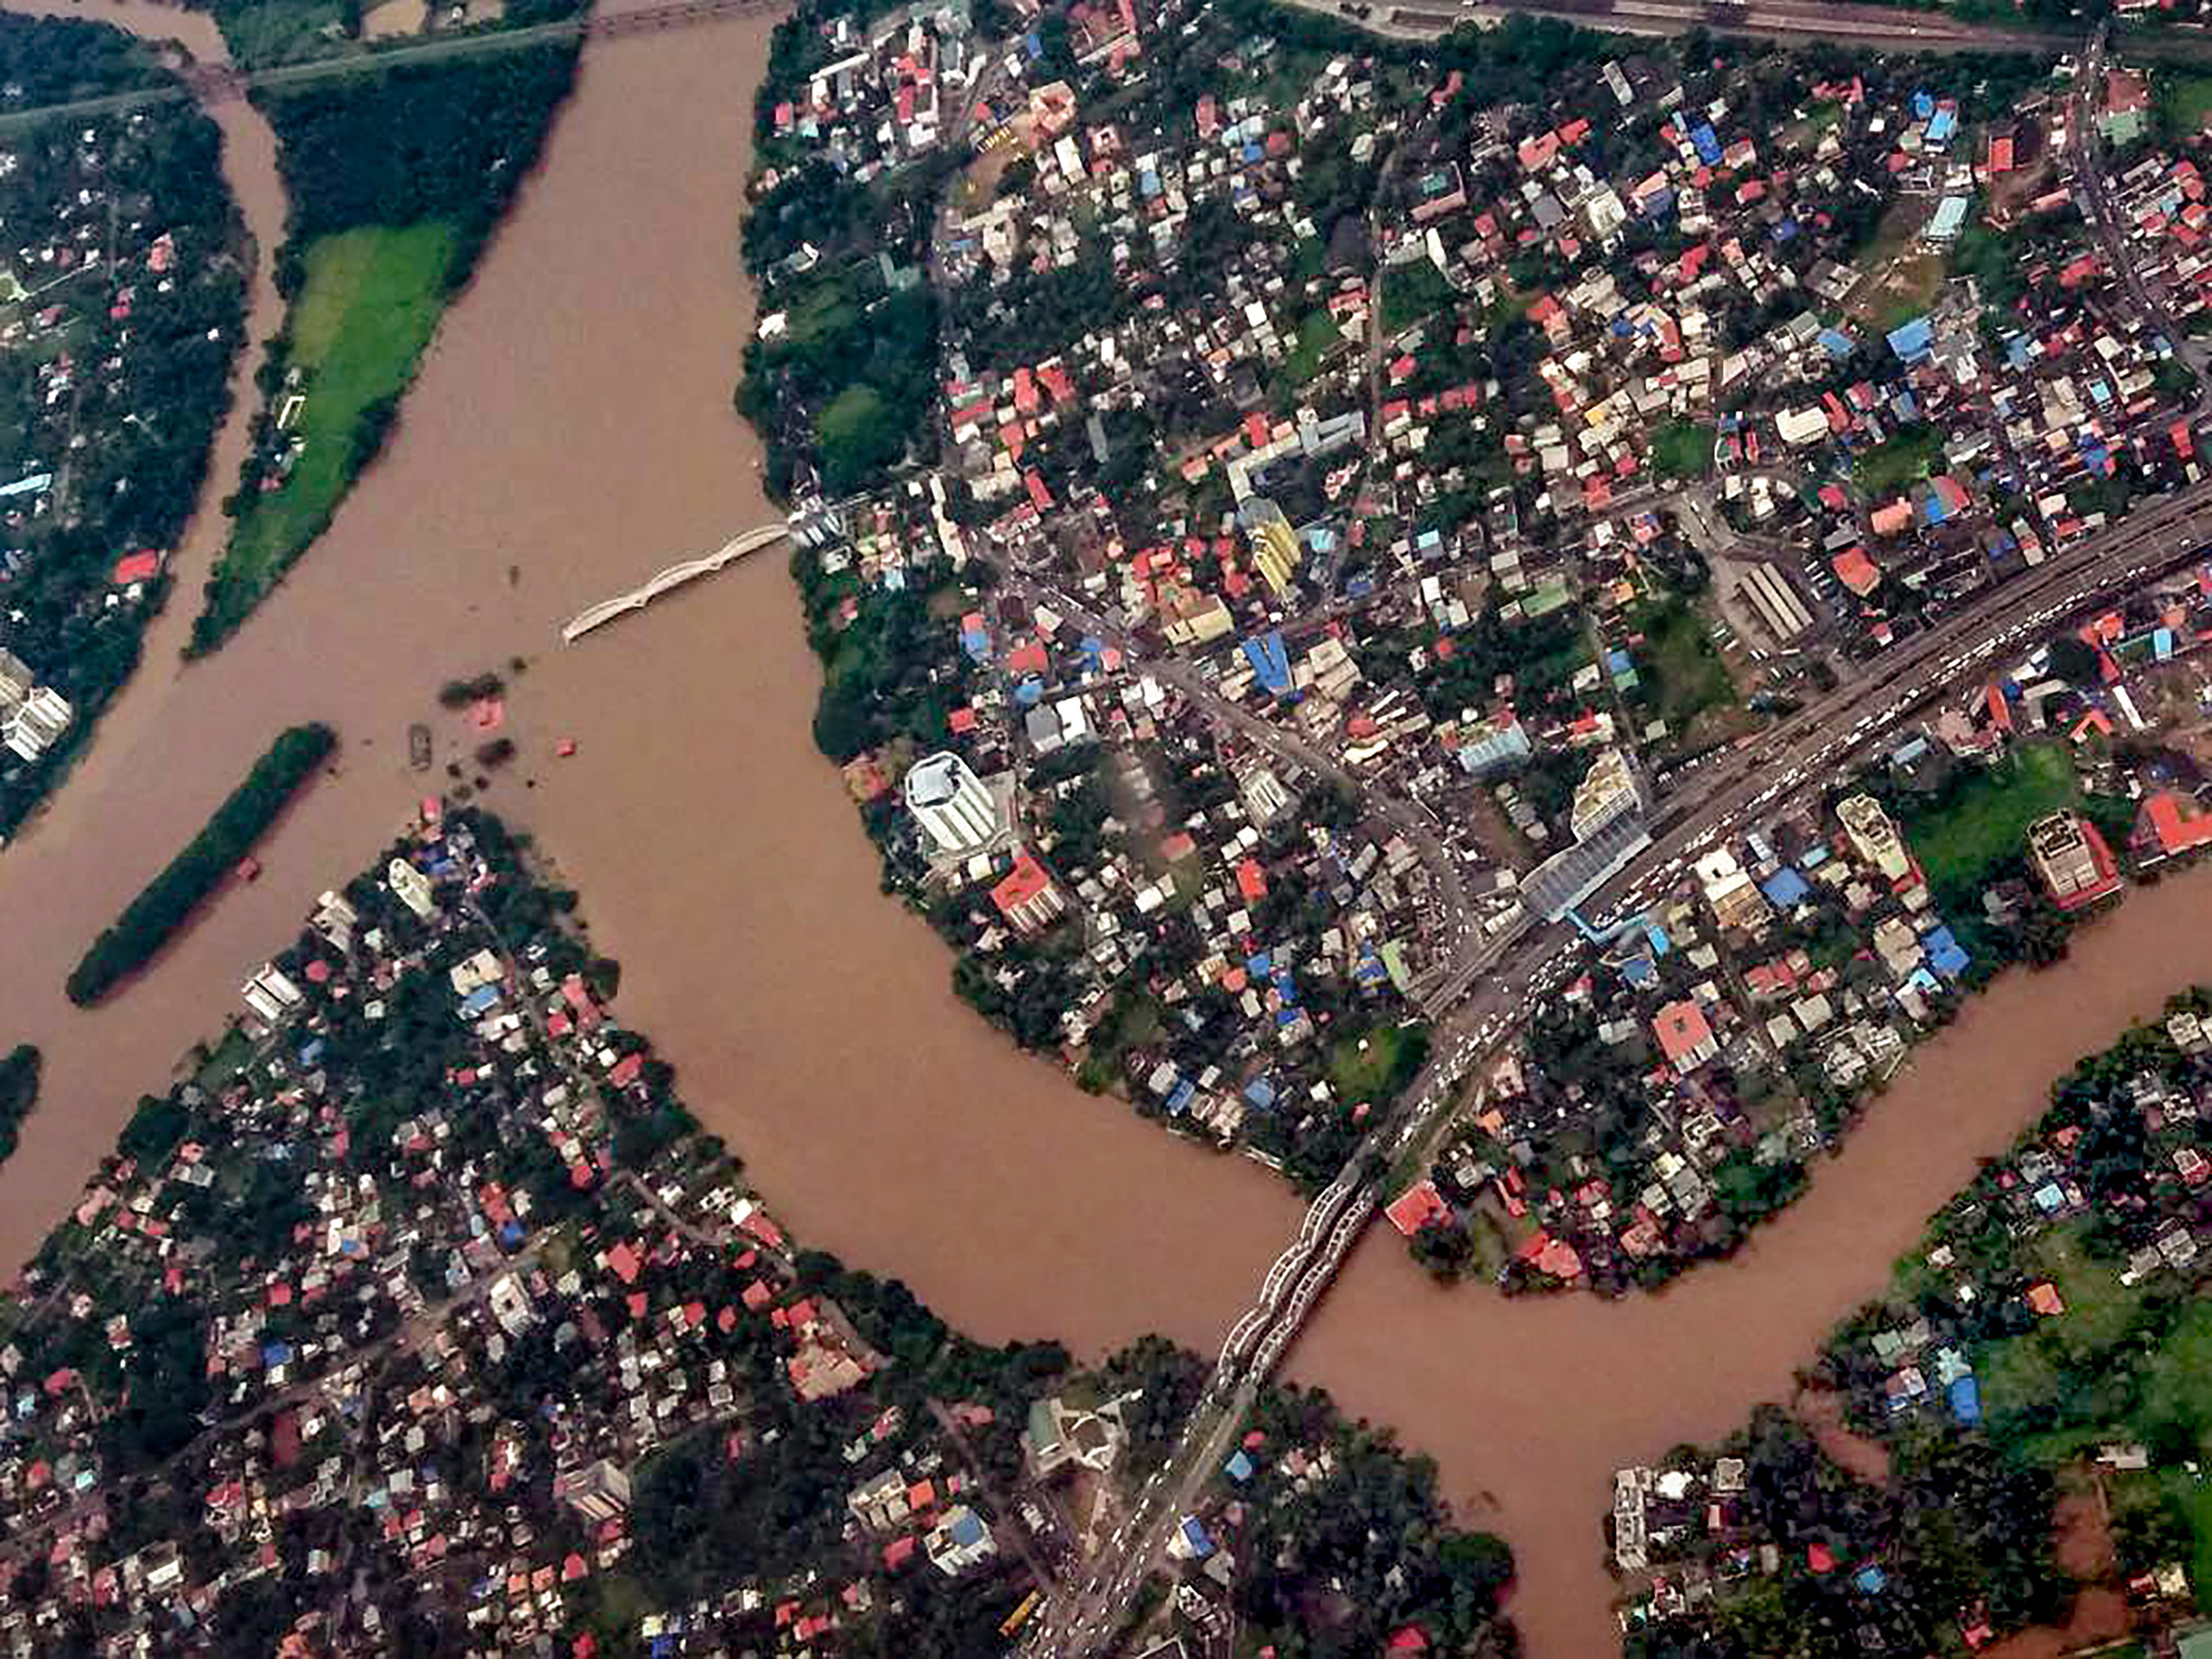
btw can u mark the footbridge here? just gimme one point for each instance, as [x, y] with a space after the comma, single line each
[675, 576]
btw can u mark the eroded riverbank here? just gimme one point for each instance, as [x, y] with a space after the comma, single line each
[573, 425]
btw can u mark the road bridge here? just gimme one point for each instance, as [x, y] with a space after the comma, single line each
[1489, 1006]
[599, 614]
[216, 83]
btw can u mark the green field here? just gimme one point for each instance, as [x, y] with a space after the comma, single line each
[1984, 821]
[2185, 104]
[2084, 1378]
[1376, 1073]
[1683, 450]
[1683, 676]
[1411, 292]
[1317, 335]
[2043, 1366]
[1885, 469]
[368, 306]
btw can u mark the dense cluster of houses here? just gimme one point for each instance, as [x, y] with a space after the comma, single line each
[122, 298]
[434, 1336]
[1435, 565]
[112, 284]
[1793, 965]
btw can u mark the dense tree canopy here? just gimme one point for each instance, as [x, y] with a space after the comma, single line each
[448, 140]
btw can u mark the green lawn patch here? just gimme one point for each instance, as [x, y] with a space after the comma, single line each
[1683, 450]
[2099, 1309]
[2185, 104]
[858, 432]
[1985, 821]
[1385, 1064]
[1411, 292]
[1317, 336]
[370, 303]
[1912, 454]
[1681, 672]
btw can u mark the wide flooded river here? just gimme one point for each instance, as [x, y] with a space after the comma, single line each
[571, 432]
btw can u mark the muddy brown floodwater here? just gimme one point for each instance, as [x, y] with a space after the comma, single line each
[573, 424]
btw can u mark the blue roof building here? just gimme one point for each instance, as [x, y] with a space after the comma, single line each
[1238, 1468]
[1271, 662]
[1912, 341]
[1498, 747]
[1945, 954]
[1784, 889]
[1966, 1397]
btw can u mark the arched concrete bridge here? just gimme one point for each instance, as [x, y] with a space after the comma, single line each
[675, 576]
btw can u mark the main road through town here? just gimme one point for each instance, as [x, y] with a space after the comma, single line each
[1803, 750]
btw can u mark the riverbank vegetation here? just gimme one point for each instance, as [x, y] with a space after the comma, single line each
[123, 451]
[262, 34]
[57, 60]
[161, 909]
[366, 307]
[2049, 1336]
[395, 182]
[19, 1093]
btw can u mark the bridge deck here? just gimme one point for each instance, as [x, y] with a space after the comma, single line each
[675, 576]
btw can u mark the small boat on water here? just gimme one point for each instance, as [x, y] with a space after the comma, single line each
[418, 746]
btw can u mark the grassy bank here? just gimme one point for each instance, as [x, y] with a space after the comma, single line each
[396, 181]
[161, 909]
[370, 303]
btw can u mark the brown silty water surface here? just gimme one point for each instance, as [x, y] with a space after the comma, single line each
[573, 425]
